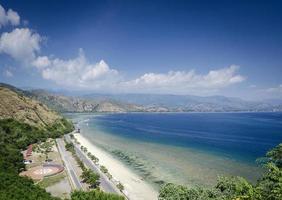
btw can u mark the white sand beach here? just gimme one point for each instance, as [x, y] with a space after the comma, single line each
[135, 187]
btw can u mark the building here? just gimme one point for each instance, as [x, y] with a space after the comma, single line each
[28, 151]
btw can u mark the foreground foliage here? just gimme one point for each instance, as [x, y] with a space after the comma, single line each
[14, 187]
[269, 187]
[94, 195]
[15, 137]
[91, 178]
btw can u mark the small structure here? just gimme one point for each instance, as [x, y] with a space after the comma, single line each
[27, 154]
[28, 151]
[39, 172]
[27, 162]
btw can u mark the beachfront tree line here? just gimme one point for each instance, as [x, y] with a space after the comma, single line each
[89, 177]
[96, 161]
[268, 187]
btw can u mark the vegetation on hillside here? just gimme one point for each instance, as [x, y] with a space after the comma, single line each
[40, 123]
[14, 187]
[95, 195]
[15, 137]
[269, 187]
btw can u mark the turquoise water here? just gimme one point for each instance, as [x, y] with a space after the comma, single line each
[185, 148]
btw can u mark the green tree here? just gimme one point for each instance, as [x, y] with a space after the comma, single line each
[104, 169]
[95, 195]
[45, 148]
[90, 178]
[120, 186]
[235, 188]
[269, 187]
[15, 137]
[14, 187]
[275, 155]
[70, 147]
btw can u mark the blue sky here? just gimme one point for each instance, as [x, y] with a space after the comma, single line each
[230, 48]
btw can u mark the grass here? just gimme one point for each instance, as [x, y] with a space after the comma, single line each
[48, 181]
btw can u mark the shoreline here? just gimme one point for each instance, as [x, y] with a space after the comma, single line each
[134, 186]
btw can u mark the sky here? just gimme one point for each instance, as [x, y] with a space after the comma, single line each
[231, 48]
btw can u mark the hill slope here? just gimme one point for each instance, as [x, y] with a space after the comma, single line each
[14, 104]
[78, 104]
[150, 103]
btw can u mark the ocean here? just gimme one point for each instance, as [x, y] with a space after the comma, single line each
[185, 148]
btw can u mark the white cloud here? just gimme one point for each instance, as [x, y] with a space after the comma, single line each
[252, 86]
[21, 44]
[271, 92]
[185, 81]
[79, 73]
[9, 17]
[41, 62]
[8, 73]
[277, 89]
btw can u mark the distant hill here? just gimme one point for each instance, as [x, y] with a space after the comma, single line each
[15, 103]
[188, 103]
[144, 102]
[79, 104]
[150, 103]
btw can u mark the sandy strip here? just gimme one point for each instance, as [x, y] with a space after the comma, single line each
[135, 187]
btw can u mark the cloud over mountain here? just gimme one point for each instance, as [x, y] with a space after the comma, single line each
[185, 81]
[78, 72]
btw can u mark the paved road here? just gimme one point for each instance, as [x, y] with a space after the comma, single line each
[69, 164]
[105, 183]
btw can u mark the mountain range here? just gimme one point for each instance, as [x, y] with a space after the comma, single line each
[145, 102]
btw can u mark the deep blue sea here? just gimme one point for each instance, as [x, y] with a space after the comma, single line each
[186, 148]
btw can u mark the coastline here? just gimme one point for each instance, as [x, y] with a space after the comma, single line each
[134, 187]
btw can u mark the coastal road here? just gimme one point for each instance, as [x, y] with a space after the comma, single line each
[69, 164]
[105, 184]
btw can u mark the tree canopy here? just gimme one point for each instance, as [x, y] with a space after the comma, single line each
[14, 137]
[269, 187]
[95, 195]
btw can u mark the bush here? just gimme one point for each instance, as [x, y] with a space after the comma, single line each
[90, 178]
[104, 169]
[70, 147]
[14, 137]
[95, 195]
[120, 186]
[269, 187]
[14, 187]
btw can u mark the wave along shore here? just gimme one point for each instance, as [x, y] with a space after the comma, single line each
[134, 186]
